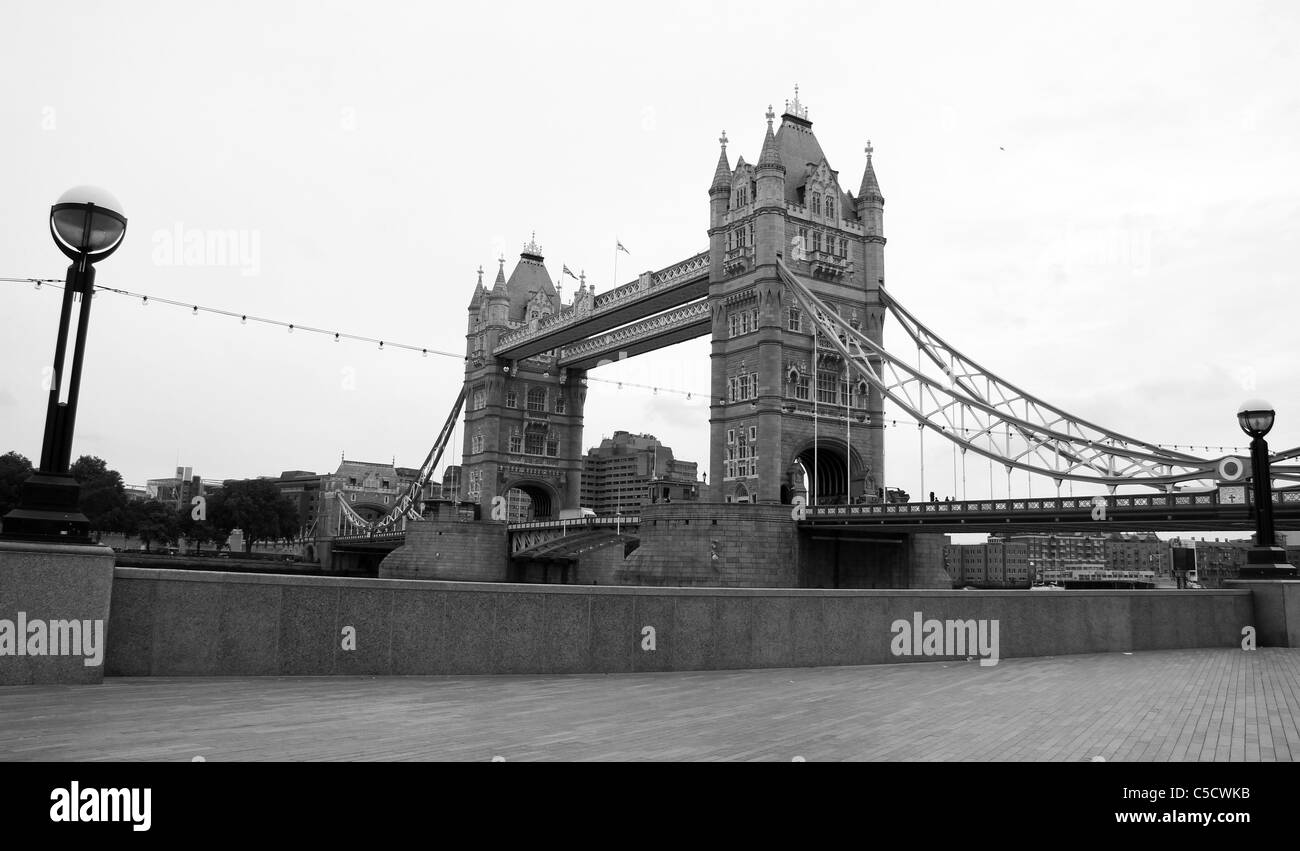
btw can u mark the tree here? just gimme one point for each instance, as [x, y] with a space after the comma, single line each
[198, 532]
[256, 507]
[157, 522]
[14, 470]
[102, 493]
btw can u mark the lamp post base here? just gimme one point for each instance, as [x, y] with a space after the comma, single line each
[47, 512]
[1267, 563]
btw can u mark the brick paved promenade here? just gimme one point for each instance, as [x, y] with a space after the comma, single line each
[1168, 705]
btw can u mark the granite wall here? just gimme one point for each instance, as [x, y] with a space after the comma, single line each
[186, 623]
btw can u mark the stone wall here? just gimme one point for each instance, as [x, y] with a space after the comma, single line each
[185, 623]
[470, 551]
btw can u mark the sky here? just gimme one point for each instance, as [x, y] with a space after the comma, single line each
[1098, 201]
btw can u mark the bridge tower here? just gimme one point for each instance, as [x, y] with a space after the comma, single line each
[523, 419]
[784, 410]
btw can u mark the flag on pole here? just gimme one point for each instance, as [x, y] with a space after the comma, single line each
[569, 272]
[622, 249]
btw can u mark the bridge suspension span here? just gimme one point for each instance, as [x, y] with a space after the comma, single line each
[407, 506]
[980, 412]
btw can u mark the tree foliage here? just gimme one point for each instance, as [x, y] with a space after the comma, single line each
[257, 508]
[103, 496]
[14, 470]
[156, 523]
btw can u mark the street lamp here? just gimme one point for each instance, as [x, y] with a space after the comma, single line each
[87, 225]
[1265, 560]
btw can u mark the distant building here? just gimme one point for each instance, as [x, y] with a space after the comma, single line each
[178, 490]
[629, 470]
[370, 489]
[302, 487]
[1139, 552]
[997, 564]
[1058, 550]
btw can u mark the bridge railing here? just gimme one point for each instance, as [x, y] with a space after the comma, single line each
[360, 537]
[577, 522]
[1003, 506]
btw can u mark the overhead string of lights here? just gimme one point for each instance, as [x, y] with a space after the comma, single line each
[244, 318]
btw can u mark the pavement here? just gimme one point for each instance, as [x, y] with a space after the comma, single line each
[1175, 705]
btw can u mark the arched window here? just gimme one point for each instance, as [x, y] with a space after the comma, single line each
[537, 399]
[830, 208]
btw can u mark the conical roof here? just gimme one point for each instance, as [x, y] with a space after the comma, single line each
[722, 174]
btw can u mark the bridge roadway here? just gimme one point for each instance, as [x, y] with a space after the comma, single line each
[1177, 512]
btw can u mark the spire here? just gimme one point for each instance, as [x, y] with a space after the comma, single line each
[870, 189]
[770, 158]
[479, 291]
[722, 174]
[499, 286]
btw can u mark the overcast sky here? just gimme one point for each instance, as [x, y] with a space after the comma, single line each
[1098, 201]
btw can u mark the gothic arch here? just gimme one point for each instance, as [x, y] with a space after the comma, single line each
[545, 498]
[825, 470]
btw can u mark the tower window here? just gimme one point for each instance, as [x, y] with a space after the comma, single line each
[512, 399]
[476, 444]
[516, 442]
[559, 403]
[844, 248]
[796, 321]
[480, 399]
[537, 399]
[535, 443]
[830, 208]
[817, 202]
[817, 240]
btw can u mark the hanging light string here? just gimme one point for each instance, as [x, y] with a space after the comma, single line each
[195, 309]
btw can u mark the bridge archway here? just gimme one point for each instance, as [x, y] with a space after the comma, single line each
[533, 499]
[823, 467]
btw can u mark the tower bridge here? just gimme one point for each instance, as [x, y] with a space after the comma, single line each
[791, 292]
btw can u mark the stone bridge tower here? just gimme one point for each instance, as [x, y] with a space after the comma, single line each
[785, 412]
[523, 419]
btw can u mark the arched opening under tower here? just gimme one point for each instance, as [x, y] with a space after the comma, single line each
[527, 501]
[822, 474]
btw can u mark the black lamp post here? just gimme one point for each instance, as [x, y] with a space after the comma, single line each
[87, 225]
[1265, 560]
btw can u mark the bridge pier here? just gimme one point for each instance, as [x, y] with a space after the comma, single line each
[760, 546]
[450, 549]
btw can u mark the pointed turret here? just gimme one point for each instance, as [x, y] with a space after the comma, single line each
[722, 174]
[770, 158]
[499, 286]
[498, 301]
[480, 292]
[870, 189]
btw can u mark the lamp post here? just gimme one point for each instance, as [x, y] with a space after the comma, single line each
[1265, 560]
[87, 225]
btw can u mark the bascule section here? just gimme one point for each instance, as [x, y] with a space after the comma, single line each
[790, 416]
